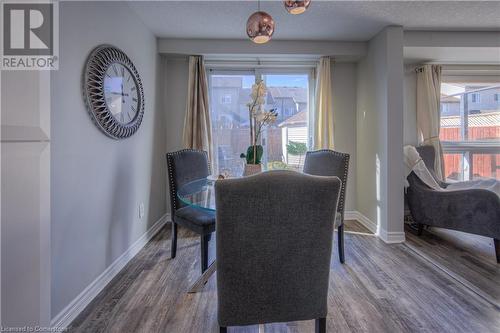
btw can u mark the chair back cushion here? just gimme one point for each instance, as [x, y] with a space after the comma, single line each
[184, 166]
[274, 242]
[428, 155]
[328, 162]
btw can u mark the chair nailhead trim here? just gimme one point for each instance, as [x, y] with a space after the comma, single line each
[345, 157]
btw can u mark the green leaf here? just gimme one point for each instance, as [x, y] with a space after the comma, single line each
[249, 156]
[296, 148]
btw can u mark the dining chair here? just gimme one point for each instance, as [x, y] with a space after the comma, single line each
[326, 162]
[184, 166]
[274, 243]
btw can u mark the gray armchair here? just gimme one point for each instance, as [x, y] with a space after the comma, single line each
[274, 243]
[476, 211]
[328, 162]
[184, 166]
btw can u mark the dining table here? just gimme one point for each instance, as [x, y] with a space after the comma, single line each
[200, 194]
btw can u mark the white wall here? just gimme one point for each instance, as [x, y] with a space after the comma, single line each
[175, 71]
[97, 182]
[380, 134]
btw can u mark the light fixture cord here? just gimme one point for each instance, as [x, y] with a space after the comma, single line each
[258, 5]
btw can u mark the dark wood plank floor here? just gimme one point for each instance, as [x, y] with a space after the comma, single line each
[381, 288]
[469, 258]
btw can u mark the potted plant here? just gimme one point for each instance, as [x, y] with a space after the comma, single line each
[258, 120]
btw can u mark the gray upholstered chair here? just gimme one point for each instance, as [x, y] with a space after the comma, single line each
[274, 243]
[184, 166]
[476, 211]
[326, 162]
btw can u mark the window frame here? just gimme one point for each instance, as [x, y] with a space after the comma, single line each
[235, 68]
[464, 146]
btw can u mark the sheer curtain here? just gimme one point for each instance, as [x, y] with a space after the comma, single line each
[428, 111]
[323, 110]
[197, 129]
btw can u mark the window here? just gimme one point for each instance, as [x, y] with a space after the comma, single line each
[476, 97]
[470, 134]
[284, 142]
[226, 99]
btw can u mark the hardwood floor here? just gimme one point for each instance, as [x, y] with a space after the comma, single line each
[468, 258]
[381, 288]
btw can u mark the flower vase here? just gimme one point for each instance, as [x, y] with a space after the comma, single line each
[252, 169]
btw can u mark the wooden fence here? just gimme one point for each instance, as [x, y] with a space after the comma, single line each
[484, 165]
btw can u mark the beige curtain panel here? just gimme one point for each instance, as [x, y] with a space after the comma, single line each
[197, 128]
[428, 111]
[323, 111]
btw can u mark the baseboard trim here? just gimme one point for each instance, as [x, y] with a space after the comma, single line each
[355, 215]
[392, 237]
[77, 305]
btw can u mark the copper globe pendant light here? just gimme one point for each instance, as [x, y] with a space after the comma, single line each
[296, 7]
[260, 26]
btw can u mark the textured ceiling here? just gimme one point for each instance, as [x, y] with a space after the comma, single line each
[325, 20]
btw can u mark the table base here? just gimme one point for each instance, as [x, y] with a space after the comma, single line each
[199, 284]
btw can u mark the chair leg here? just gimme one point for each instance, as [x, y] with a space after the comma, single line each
[204, 252]
[173, 243]
[222, 329]
[320, 325]
[341, 243]
[497, 249]
[420, 229]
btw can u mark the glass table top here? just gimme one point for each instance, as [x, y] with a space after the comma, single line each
[199, 193]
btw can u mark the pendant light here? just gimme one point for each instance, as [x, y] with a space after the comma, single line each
[296, 7]
[260, 26]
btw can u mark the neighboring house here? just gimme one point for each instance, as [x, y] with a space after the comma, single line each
[483, 100]
[226, 99]
[288, 101]
[478, 100]
[230, 100]
[450, 105]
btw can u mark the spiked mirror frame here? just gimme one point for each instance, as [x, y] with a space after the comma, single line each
[99, 60]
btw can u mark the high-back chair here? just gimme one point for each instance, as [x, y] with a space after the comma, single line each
[473, 210]
[184, 166]
[328, 162]
[274, 243]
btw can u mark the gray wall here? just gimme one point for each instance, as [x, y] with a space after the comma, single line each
[175, 72]
[278, 49]
[380, 133]
[175, 82]
[344, 116]
[97, 182]
[25, 198]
